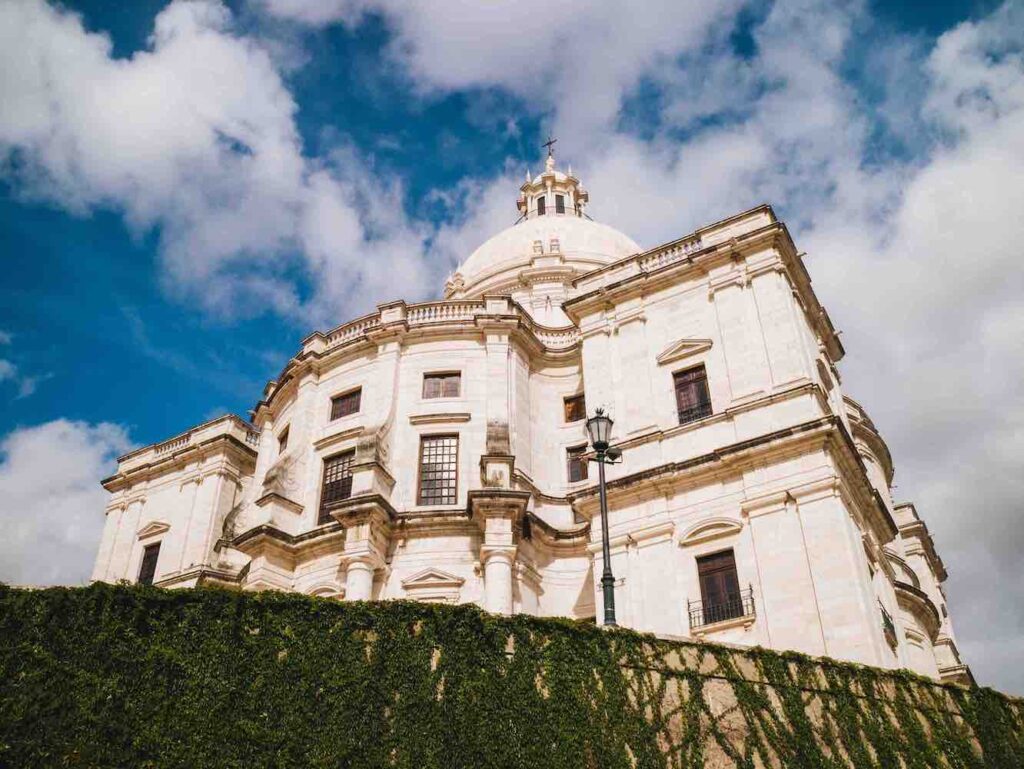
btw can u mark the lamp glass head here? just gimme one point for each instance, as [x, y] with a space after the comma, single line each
[599, 428]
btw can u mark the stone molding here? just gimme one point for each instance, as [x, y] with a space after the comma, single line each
[153, 529]
[683, 348]
[440, 418]
[432, 584]
[710, 529]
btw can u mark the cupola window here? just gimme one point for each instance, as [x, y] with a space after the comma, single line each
[559, 204]
[541, 205]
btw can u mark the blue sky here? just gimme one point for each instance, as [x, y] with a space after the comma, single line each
[187, 190]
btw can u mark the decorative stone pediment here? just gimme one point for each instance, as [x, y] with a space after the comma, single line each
[433, 585]
[153, 529]
[683, 348]
[709, 529]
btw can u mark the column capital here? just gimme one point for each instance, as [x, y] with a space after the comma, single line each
[506, 553]
[363, 559]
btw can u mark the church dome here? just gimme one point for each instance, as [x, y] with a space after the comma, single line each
[578, 240]
[552, 236]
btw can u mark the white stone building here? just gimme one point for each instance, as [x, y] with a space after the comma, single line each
[435, 452]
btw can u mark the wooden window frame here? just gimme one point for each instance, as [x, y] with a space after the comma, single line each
[335, 399]
[570, 457]
[321, 518]
[419, 470]
[442, 376]
[724, 604]
[146, 550]
[565, 407]
[702, 409]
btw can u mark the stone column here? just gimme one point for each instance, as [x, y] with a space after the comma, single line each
[497, 562]
[498, 513]
[359, 579]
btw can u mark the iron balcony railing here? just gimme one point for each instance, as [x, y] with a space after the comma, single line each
[694, 413]
[888, 626]
[703, 613]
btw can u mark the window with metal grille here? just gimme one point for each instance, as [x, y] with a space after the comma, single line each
[541, 206]
[148, 569]
[719, 587]
[337, 483]
[577, 464]
[282, 441]
[693, 401]
[346, 404]
[439, 470]
[442, 385]
[559, 204]
[575, 408]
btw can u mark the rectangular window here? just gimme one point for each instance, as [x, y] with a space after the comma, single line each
[693, 401]
[719, 587]
[541, 206]
[337, 483]
[575, 408]
[148, 569]
[443, 385]
[439, 470]
[282, 441]
[577, 464]
[559, 204]
[347, 404]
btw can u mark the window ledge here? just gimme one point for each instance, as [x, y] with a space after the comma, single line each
[726, 624]
[337, 432]
[446, 416]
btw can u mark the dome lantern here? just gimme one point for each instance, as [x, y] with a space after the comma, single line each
[552, 193]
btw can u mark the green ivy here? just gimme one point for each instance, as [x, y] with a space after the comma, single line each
[118, 676]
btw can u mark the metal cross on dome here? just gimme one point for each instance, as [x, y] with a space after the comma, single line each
[549, 144]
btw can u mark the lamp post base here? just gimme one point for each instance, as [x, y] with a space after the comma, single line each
[608, 589]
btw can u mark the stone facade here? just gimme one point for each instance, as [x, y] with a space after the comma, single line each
[775, 464]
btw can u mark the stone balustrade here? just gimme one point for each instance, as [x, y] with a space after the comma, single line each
[225, 425]
[429, 313]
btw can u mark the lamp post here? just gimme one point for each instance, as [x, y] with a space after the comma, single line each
[599, 428]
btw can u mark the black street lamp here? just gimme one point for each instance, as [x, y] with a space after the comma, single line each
[599, 427]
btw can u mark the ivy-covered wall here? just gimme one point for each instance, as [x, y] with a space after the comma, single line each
[140, 677]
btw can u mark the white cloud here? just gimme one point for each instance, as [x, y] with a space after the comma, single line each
[195, 136]
[51, 503]
[5, 337]
[577, 55]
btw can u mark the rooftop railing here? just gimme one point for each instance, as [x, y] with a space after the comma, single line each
[449, 311]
